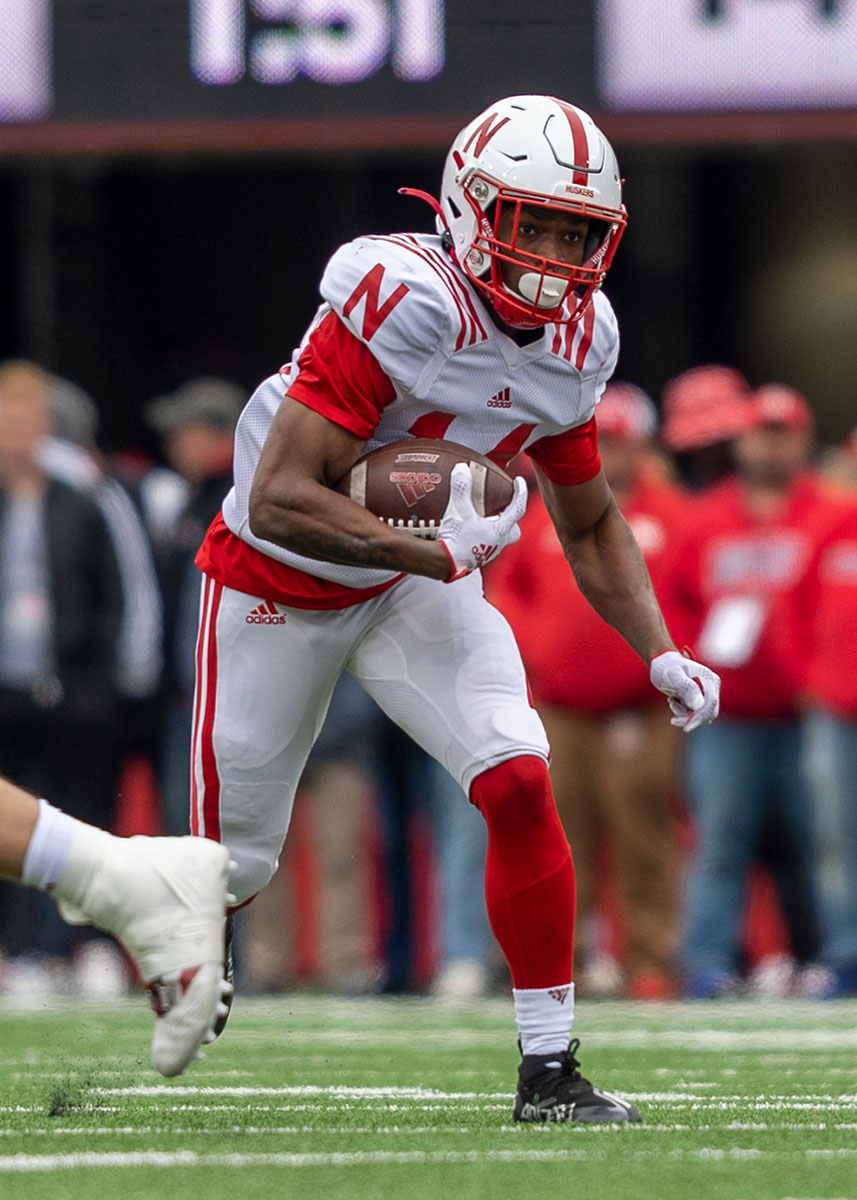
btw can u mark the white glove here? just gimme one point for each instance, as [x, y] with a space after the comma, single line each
[693, 690]
[471, 540]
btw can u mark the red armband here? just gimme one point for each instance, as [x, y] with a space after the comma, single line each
[570, 457]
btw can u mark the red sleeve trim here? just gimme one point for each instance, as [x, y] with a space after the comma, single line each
[570, 457]
[341, 379]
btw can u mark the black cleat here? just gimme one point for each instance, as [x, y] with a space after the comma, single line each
[228, 974]
[551, 1088]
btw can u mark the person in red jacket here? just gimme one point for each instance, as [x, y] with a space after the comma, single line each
[830, 752]
[613, 763]
[738, 579]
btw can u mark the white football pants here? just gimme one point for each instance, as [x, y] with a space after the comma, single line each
[437, 658]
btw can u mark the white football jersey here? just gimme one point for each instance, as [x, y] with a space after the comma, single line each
[455, 375]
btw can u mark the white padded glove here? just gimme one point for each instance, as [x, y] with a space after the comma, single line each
[471, 540]
[692, 689]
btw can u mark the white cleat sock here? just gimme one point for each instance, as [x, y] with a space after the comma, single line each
[544, 1017]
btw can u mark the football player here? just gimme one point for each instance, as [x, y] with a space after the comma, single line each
[492, 333]
[164, 899]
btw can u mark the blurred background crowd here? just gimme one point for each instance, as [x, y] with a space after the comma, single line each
[707, 866]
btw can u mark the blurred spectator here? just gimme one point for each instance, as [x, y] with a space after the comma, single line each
[830, 754]
[838, 464]
[60, 618]
[737, 578]
[468, 957]
[71, 454]
[414, 789]
[158, 492]
[196, 424]
[702, 411]
[613, 755]
[333, 822]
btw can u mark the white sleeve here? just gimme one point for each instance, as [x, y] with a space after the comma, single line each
[385, 294]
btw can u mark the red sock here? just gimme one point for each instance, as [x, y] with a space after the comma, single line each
[529, 875]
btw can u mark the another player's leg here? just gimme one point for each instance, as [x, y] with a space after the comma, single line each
[162, 898]
[529, 887]
[19, 813]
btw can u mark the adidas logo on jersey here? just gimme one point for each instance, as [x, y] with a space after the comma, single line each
[503, 399]
[265, 614]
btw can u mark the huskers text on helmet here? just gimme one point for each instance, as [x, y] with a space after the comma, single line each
[327, 41]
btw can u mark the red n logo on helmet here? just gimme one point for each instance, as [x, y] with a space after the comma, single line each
[374, 314]
[483, 133]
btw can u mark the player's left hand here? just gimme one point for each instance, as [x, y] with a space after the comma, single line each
[693, 690]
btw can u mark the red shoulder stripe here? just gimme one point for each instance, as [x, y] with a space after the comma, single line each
[565, 334]
[471, 329]
[587, 330]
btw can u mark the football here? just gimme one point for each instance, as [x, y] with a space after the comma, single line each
[406, 484]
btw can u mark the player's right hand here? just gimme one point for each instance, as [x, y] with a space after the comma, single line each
[469, 540]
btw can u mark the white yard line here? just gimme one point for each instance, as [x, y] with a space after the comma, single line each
[257, 1130]
[397, 1130]
[337, 1099]
[783, 1040]
[335, 1090]
[354, 1024]
[421, 1094]
[23, 1163]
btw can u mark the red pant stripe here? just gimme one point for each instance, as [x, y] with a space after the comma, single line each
[206, 656]
[197, 702]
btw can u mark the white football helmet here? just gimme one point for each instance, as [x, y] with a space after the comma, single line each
[532, 151]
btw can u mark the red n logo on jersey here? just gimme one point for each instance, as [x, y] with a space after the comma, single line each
[373, 314]
[483, 133]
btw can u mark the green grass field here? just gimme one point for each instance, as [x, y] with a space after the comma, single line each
[316, 1097]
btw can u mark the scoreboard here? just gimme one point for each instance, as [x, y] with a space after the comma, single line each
[86, 74]
[728, 54]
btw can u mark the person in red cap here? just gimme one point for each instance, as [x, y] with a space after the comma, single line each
[703, 411]
[739, 579]
[613, 762]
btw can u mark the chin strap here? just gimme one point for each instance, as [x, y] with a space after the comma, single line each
[430, 200]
